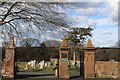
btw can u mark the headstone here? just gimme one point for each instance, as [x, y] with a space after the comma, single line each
[37, 65]
[49, 64]
[72, 63]
[9, 63]
[68, 64]
[29, 63]
[55, 63]
[34, 62]
[63, 60]
[41, 65]
[46, 64]
[43, 62]
[78, 64]
[26, 67]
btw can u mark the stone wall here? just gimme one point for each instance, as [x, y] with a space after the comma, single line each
[107, 69]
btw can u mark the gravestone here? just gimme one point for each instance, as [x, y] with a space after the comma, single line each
[46, 64]
[9, 63]
[89, 64]
[55, 62]
[26, 67]
[41, 65]
[63, 60]
[34, 62]
[43, 62]
[72, 63]
[78, 64]
[29, 63]
[49, 64]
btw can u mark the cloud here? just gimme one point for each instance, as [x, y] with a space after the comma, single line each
[104, 16]
[108, 9]
[105, 37]
[87, 12]
[88, 4]
[106, 33]
[90, 8]
[104, 23]
[79, 19]
[104, 41]
[91, 23]
[83, 0]
[113, 15]
[83, 21]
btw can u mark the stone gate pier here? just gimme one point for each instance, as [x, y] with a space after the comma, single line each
[89, 62]
[8, 63]
[63, 60]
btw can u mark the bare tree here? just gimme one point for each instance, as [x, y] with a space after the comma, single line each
[20, 19]
[29, 42]
[52, 43]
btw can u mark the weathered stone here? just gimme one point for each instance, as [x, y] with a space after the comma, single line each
[105, 69]
[9, 63]
[49, 64]
[26, 67]
[34, 62]
[56, 62]
[43, 62]
[46, 64]
[41, 65]
[63, 60]
[89, 66]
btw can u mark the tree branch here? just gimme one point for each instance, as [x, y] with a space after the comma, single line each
[5, 16]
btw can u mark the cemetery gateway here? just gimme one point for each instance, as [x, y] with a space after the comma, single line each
[92, 68]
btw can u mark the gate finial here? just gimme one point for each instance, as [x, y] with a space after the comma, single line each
[11, 43]
[89, 44]
[64, 43]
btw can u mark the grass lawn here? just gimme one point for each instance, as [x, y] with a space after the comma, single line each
[21, 66]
